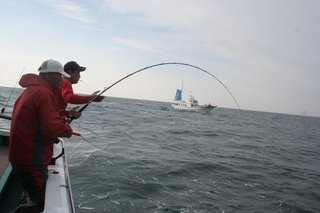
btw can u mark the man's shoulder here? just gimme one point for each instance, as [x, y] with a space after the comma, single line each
[65, 83]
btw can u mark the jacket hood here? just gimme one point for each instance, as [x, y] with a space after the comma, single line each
[30, 79]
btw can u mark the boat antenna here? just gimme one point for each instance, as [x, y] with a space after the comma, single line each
[5, 105]
[156, 65]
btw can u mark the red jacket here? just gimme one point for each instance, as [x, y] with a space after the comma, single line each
[66, 95]
[36, 123]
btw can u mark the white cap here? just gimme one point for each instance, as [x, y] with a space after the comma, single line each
[52, 66]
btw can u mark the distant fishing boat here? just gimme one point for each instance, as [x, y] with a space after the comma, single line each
[58, 189]
[190, 105]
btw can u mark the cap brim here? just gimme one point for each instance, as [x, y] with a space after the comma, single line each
[65, 74]
[81, 68]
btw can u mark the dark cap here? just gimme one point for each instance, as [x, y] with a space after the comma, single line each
[73, 66]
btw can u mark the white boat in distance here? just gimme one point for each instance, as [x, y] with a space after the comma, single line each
[190, 105]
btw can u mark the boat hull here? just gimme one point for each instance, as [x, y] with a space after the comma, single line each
[193, 108]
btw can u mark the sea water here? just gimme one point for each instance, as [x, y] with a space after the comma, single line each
[143, 156]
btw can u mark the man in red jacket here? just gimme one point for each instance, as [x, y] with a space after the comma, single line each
[35, 125]
[66, 94]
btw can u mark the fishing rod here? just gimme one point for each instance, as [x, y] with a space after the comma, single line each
[4, 108]
[6, 117]
[156, 65]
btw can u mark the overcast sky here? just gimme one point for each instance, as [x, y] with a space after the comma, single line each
[266, 52]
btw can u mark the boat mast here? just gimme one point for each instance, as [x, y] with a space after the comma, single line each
[181, 91]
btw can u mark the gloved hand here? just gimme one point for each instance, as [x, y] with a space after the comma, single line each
[97, 99]
[73, 113]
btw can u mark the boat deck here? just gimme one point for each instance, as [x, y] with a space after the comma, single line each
[7, 181]
[4, 152]
[3, 158]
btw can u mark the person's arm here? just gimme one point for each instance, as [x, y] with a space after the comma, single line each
[70, 97]
[78, 99]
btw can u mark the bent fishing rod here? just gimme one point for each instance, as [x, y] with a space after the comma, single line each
[156, 65]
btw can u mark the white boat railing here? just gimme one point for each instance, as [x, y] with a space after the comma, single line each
[58, 190]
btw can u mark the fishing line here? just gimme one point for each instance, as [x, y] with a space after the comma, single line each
[156, 65]
[87, 152]
[82, 129]
[3, 109]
